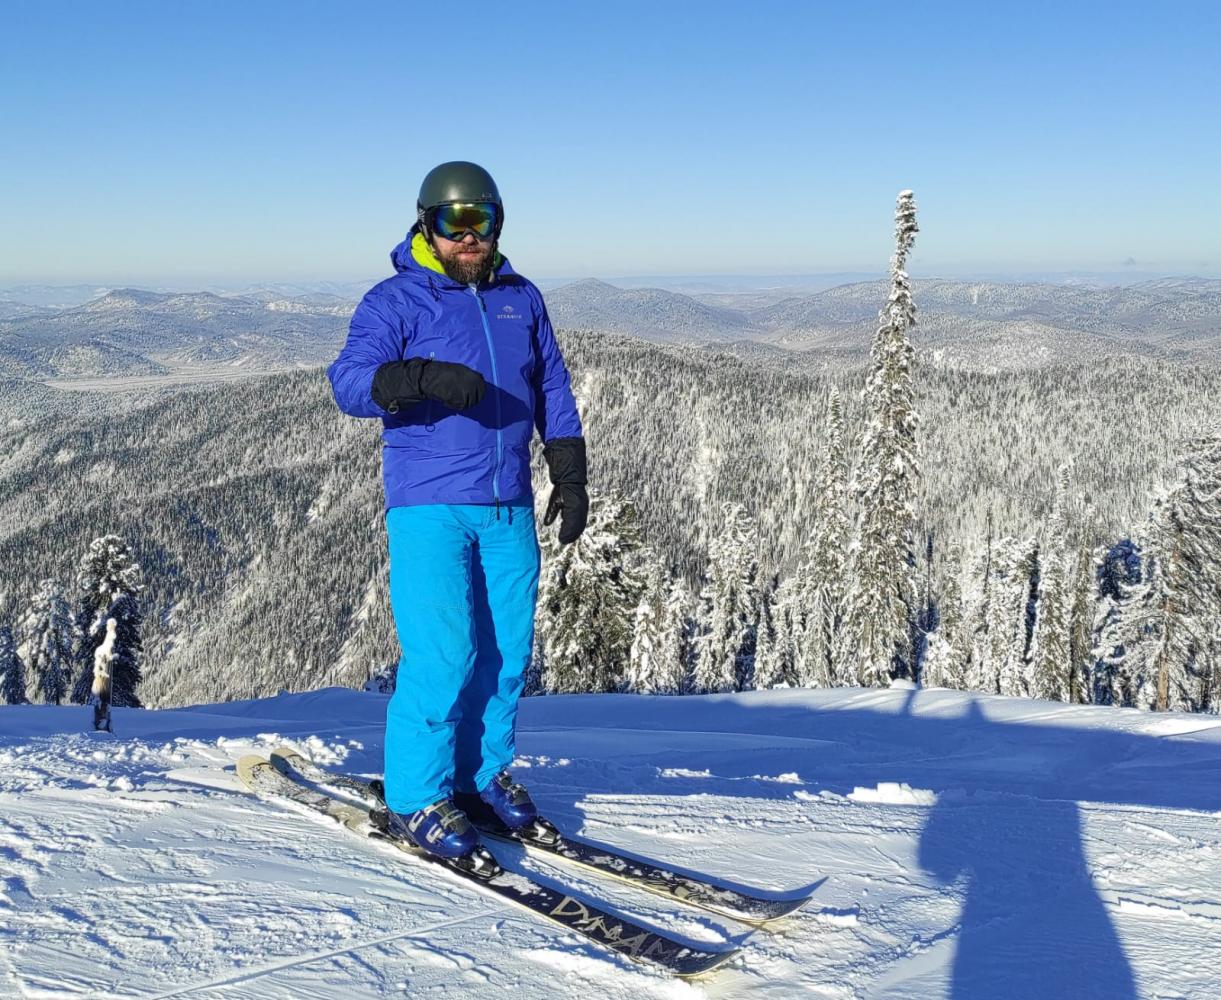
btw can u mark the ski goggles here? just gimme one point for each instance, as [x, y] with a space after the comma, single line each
[455, 221]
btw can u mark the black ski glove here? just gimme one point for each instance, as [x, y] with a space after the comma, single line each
[400, 383]
[566, 463]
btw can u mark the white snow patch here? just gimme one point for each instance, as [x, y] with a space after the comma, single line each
[1179, 725]
[683, 772]
[894, 793]
[823, 796]
[788, 778]
[845, 917]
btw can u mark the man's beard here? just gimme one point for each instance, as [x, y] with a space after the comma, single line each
[468, 269]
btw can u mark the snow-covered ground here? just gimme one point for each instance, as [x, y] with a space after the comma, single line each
[961, 846]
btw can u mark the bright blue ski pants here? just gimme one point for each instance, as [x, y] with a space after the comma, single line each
[463, 585]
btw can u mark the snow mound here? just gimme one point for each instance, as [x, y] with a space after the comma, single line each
[894, 793]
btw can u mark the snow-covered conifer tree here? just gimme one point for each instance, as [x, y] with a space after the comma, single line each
[1162, 629]
[1081, 614]
[674, 655]
[12, 670]
[108, 585]
[1051, 659]
[948, 649]
[771, 656]
[103, 662]
[48, 638]
[1009, 630]
[588, 593]
[784, 631]
[815, 604]
[875, 636]
[725, 645]
[644, 667]
[1120, 569]
[977, 604]
[1127, 617]
[1209, 669]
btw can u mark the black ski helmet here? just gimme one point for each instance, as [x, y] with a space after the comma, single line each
[456, 181]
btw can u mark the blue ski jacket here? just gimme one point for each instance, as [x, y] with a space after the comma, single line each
[500, 328]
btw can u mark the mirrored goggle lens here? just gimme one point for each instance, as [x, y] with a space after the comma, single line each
[452, 221]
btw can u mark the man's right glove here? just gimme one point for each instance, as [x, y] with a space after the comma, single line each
[400, 383]
[566, 464]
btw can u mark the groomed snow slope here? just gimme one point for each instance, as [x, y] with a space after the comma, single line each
[961, 846]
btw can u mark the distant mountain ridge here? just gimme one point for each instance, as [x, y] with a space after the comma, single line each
[133, 331]
[978, 325]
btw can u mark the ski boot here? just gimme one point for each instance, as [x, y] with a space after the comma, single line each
[443, 831]
[505, 808]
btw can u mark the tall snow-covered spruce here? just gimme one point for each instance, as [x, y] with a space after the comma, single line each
[49, 636]
[818, 598]
[729, 608]
[875, 640]
[12, 670]
[108, 585]
[1051, 662]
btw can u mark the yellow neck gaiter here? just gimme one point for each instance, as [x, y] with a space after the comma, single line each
[425, 257]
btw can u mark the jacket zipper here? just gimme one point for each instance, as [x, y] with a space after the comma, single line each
[483, 315]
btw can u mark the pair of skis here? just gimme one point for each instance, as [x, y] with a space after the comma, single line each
[290, 776]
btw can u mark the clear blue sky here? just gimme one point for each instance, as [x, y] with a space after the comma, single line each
[182, 141]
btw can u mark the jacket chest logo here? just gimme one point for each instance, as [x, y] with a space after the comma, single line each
[507, 312]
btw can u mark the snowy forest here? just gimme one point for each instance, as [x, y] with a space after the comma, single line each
[755, 522]
[72, 646]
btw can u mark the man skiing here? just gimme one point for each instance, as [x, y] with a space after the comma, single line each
[456, 354]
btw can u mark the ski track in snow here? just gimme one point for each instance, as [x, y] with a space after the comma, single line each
[957, 846]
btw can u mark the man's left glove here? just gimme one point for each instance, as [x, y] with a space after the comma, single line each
[566, 464]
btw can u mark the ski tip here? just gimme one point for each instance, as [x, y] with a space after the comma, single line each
[248, 765]
[706, 963]
[785, 908]
[769, 912]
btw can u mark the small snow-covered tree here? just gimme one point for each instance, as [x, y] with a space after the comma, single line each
[12, 670]
[725, 645]
[49, 635]
[771, 659]
[1051, 660]
[1119, 572]
[588, 593]
[674, 655]
[1080, 662]
[977, 597]
[644, 667]
[785, 629]
[1127, 617]
[1012, 607]
[948, 645]
[108, 585]
[880, 604]
[103, 662]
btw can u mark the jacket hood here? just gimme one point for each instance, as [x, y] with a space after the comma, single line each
[413, 254]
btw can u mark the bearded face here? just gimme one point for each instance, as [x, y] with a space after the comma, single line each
[468, 260]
